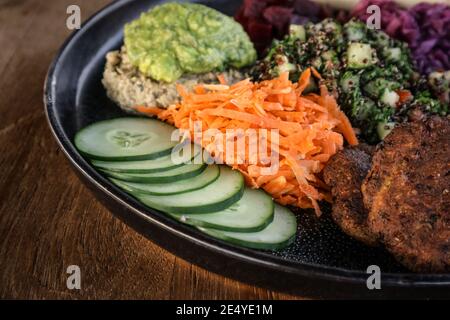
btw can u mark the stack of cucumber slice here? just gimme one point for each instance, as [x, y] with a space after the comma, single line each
[137, 155]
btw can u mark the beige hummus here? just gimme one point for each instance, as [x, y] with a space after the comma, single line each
[127, 87]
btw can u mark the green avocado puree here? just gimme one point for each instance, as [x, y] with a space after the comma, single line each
[177, 38]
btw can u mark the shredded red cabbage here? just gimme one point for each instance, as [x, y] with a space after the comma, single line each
[425, 27]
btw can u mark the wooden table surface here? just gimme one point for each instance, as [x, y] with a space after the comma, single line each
[48, 219]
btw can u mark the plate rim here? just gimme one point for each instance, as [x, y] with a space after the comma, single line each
[304, 269]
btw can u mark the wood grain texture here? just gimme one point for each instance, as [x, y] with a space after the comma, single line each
[48, 219]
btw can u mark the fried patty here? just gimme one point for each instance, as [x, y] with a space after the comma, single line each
[344, 173]
[406, 193]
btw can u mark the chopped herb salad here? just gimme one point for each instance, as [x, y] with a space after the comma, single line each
[371, 74]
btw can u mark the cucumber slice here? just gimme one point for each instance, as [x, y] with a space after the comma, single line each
[253, 212]
[217, 196]
[277, 235]
[164, 163]
[205, 178]
[180, 173]
[125, 139]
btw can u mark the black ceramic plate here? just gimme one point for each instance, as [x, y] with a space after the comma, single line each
[322, 262]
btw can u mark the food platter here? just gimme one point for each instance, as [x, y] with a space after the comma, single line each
[323, 261]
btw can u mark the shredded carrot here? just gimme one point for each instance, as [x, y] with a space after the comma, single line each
[216, 87]
[222, 79]
[303, 82]
[316, 73]
[154, 111]
[310, 129]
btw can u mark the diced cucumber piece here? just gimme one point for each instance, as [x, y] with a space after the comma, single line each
[125, 139]
[179, 156]
[217, 196]
[285, 67]
[393, 54]
[180, 173]
[277, 235]
[389, 98]
[373, 88]
[382, 39]
[297, 31]
[253, 212]
[329, 25]
[205, 178]
[349, 82]
[362, 108]
[329, 55]
[439, 81]
[360, 55]
[384, 128]
[355, 31]
[377, 87]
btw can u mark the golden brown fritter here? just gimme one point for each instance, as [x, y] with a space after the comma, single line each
[407, 194]
[344, 173]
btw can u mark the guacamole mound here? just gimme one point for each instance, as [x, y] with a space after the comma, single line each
[178, 38]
